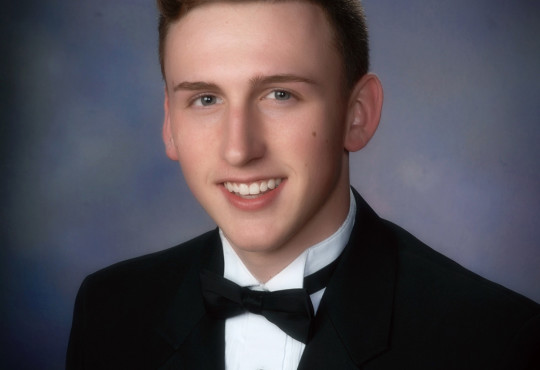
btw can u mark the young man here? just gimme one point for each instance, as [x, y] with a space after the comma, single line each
[264, 101]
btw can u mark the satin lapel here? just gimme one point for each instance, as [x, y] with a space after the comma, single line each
[353, 323]
[195, 340]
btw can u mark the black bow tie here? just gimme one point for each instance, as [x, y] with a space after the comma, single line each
[291, 309]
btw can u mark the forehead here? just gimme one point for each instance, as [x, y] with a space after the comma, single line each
[295, 32]
[298, 11]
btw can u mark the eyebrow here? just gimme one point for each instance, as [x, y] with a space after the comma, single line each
[195, 86]
[255, 81]
[281, 78]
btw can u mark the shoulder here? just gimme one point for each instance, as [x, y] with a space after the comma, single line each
[147, 275]
[117, 308]
[420, 264]
[439, 299]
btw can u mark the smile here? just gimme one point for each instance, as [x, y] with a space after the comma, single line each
[249, 190]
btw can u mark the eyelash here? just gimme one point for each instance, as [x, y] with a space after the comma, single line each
[198, 97]
[274, 91]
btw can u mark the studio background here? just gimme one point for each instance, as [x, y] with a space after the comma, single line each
[85, 181]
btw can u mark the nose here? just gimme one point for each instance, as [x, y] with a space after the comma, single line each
[242, 137]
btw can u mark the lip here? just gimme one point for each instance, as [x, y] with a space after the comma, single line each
[253, 204]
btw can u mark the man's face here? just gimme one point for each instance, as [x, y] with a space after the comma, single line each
[255, 114]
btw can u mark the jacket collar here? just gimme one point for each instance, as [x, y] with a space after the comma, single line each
[194, 338]
[356, 310]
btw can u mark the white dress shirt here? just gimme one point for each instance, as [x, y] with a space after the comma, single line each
[251, 341]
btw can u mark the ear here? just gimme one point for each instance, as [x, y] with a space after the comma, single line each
[168, 138]
[364, 112]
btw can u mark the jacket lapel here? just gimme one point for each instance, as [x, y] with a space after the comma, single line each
[353, 323]
[195, 340]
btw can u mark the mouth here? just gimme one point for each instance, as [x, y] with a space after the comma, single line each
[253, 189]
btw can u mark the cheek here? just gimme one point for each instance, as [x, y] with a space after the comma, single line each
[193, 152]
[315, 158]
[323, 149]
[191, 136]
[319, 135]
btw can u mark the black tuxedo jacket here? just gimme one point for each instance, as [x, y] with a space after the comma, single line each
[392, 303]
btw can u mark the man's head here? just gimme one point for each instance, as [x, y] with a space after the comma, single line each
[346, 18]
[257, 117]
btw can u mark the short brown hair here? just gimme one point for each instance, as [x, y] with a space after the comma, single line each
[345, 16]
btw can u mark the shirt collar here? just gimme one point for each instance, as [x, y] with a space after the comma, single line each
[311, 260]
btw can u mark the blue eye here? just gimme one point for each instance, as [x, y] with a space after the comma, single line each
[281, 95]
[206, 100]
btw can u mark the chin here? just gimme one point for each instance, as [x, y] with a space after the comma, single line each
[252, 243]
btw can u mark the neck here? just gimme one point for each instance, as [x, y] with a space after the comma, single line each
[265, 265]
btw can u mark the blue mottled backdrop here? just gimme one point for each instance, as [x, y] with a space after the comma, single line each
[85, 182]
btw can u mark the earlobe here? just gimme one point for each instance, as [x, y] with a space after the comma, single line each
[364, 112]
[168, 139]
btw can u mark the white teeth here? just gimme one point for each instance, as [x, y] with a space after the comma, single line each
[244, 189]
[253, 188]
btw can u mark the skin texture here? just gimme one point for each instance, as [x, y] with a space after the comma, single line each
[254, 91]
